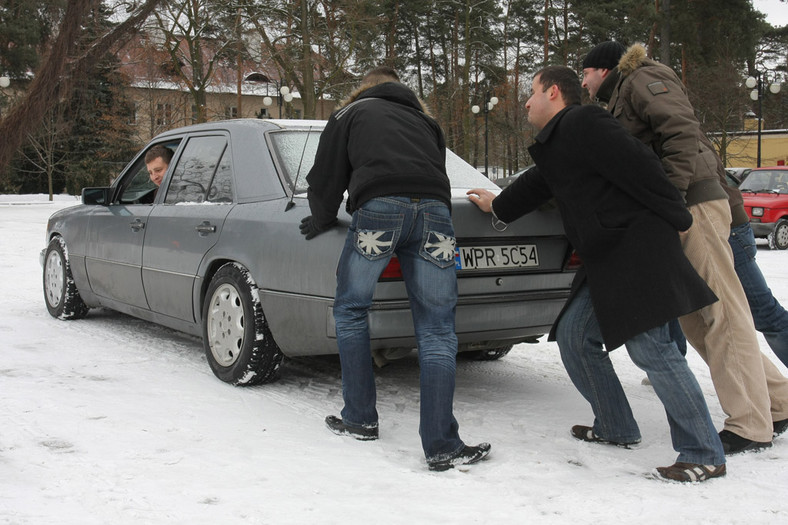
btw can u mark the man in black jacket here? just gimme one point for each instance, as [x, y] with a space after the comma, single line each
[622, 216]
[389, 154]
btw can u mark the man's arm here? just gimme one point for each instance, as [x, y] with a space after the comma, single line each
[328, 179]
[658, 99]
[523, 196]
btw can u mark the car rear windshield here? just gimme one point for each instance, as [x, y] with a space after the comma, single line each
[295, 154]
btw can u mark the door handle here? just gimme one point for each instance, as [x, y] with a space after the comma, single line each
[137, 225]
[205, 227]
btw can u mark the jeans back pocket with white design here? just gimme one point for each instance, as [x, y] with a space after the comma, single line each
[376, 234]
[439, 243]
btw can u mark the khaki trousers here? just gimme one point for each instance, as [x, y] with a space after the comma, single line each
[751, 390]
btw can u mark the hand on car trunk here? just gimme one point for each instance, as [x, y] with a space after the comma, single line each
[310, 227]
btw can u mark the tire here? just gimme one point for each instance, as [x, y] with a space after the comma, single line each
[778, 239]
[491, 354]
[238, 343]
[60, 293]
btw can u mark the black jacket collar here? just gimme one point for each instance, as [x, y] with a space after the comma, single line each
[544, 135]
[393, 92]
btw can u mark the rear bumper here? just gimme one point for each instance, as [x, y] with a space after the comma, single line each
[478, 324]
[482, 320]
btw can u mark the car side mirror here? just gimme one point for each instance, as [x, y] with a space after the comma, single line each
[99, 196]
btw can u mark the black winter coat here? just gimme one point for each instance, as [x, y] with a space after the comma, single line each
[381, 143]
[622, 216]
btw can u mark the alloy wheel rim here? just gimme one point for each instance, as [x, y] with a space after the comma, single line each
[781, 235]
[226, 325]
[53, 279]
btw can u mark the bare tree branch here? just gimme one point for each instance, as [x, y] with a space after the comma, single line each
[53, 79]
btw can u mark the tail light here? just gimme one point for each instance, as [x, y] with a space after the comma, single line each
[392, 271]
[574, 262]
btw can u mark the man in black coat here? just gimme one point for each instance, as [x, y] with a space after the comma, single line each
[622, 216]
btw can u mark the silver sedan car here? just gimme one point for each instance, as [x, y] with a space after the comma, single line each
[216, 251]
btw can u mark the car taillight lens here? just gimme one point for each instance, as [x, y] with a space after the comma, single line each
[392, 270]
[574, 262]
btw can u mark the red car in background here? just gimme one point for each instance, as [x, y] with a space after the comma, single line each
[765, 192]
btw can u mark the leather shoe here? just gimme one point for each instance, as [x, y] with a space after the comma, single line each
[362, 433]
[733, 443]
[465, 456]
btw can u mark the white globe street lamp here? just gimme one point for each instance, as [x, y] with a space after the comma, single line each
[756, 84]
[488, 106]
[283, 94]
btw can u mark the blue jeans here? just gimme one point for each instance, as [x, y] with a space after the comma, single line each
[771, 319]
[588, 365]
[421, 234]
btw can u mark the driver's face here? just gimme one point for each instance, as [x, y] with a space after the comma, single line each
[156, 169]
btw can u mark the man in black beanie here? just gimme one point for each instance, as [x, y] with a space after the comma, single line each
[651, 102]
[600, 73]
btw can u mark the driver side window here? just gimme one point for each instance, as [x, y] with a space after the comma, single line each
[138, 188]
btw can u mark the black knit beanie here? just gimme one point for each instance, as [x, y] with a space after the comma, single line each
[604, 56]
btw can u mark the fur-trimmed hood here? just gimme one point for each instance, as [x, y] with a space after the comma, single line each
[633, 58]
[630, 61]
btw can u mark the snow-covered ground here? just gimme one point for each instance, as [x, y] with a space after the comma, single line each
[111, 420]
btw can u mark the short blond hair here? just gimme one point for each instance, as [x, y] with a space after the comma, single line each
[379, 75]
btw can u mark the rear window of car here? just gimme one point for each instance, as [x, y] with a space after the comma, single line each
[295, 152]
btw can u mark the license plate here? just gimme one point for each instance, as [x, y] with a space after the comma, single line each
[494, 257]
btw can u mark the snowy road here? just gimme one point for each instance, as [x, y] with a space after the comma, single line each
[114, 420]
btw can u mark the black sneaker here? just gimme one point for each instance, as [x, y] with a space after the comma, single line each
[466, 456]
[584, 433]
[733, 443]
[780, 427]
[362, 433]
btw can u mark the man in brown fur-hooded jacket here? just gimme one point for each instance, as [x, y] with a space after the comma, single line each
[650, 101]
[389, 154]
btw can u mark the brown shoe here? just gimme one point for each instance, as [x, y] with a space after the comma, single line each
[691, 472]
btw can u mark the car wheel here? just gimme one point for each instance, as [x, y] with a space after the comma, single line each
[778, 239]
[237, 340]
[60, 293]
[491, 354]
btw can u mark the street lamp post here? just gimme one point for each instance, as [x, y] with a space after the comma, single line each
[756, 84]
[489, 103]
[4, 83]
[282, 93]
